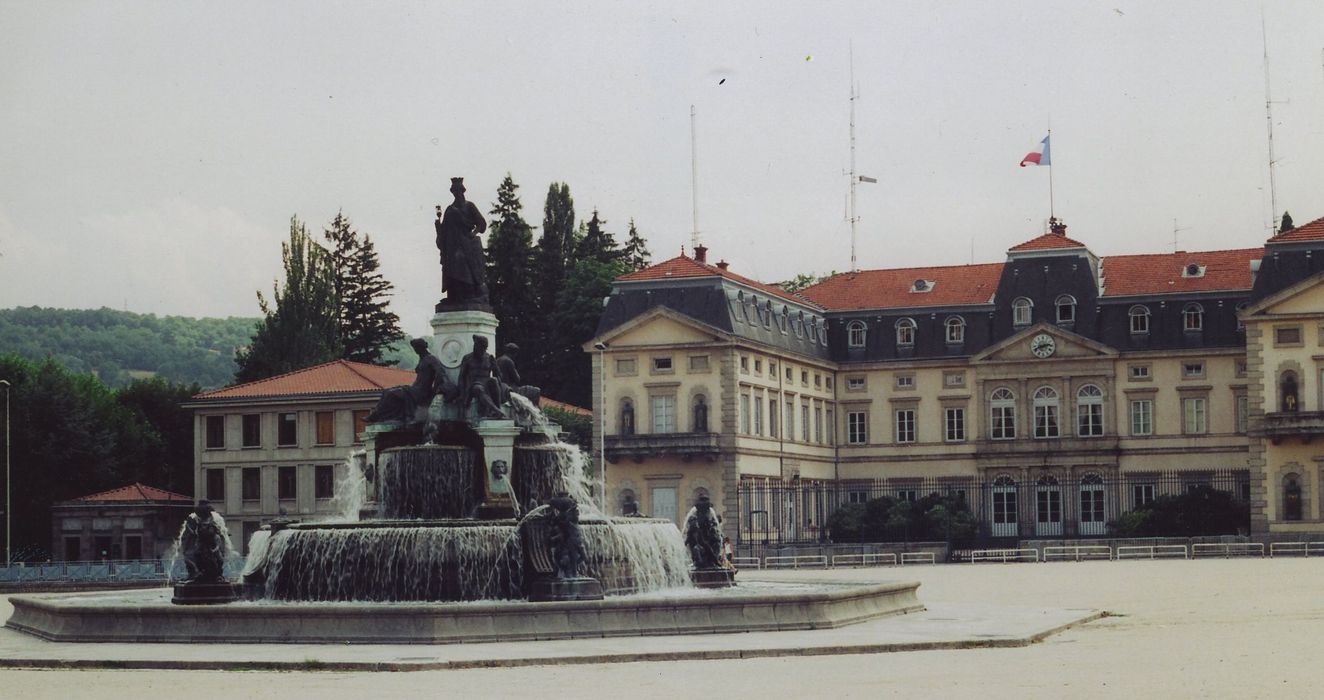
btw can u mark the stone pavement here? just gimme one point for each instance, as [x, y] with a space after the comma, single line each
[1209, 628]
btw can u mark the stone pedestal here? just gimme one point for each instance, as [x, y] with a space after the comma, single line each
[452, 336]
[578, 588]
[713, 578]
[206, 593]
[498, 455]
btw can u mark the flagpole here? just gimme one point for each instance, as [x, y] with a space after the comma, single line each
[1051, 213]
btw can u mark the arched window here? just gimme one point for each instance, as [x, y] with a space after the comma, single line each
[1292, 497]
[700, 413]
[1066, 309]
[1089, 411]
[1139, 319]
[627, 417]
[1002, 415]
[1045, 412]
[955, 330]
[1021, 310]
[1192, 317]
[1287, 387]
[905, 332]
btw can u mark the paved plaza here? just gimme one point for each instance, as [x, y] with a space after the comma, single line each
[1243, 628]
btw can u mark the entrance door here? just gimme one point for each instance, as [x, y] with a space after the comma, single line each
[664, 503]
[1092, 511]
[1004, 507]
[1048, 507]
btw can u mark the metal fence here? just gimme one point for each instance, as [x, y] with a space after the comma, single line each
[774, 512]
[144, 570]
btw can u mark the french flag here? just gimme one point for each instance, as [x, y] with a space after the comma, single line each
[1039, 156]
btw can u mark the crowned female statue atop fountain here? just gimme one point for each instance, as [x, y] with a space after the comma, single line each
[463, 268]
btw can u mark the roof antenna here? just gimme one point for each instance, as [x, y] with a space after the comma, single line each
[854, 178]
[694, 183]
[1174, 234]
[1268, 113]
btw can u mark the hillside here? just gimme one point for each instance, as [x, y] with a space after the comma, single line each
[119, 346]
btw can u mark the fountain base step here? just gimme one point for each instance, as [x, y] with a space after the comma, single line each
[713, 578]
[206, 593]
[580, 588]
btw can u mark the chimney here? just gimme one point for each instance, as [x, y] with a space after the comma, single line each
[722, 264]
[1057, 226]
[701, 253]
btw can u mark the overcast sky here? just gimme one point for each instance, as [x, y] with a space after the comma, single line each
[151, 154]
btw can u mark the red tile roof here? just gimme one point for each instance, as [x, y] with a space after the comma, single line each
[544, 402]
[134, 492]
[1162, 273]
[1312, 231]
[683, 266]
[335, 377]
[956, 285]
[1048, 241]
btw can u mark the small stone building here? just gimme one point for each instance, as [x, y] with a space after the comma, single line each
[128, 523]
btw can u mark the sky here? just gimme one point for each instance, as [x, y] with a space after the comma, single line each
[152, 153]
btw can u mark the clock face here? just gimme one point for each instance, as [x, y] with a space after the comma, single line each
[1043, 345]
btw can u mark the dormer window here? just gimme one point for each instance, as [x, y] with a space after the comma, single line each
[1193, 270]
[955, 330]
[921, 285]
[1139, 319]
[905, 332]
[1192, 318]
[856, 334]
[1066, 309]
[1020, 311]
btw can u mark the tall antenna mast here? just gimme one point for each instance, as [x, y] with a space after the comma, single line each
[694, 183]
[1268, 111]
[853, 218]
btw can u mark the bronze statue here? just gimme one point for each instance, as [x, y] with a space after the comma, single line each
[509, 375]
[479, 381]
[700, 415]
[463, 271]
[703, 535]
[401, 402]
[203, 545]
[567, 545]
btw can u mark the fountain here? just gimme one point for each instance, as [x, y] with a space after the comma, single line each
[463, 519]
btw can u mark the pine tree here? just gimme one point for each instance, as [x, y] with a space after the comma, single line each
[366, 328]
[636, 254]
[301, 329]
[1286, 224]
[597, 243]
[510, 256]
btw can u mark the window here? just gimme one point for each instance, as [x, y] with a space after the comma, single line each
[1139, 319]
[326, 428]
[857, 496]
[1192, 318]
[910, 495]
[1193, 270]
[1138, 373]
[804, 421]
[953, 380]
[1002, 421]
[955, 330]
[790, 374]
[1141, 494]
[626, 367]
[252, 430]
[360, 425]
[1021, 309]
[855, 384]
[789, 418]
[661, 365]
[1066, 309]
[664, 414]
[215, 432]
[905, 425]
[954, 420]
[1045, 413]
[818, 381]
[905, 381]
[831, 427]
[252, 483]
[216, 485]
[1195, 419]
[324, 481]
[1192, 370]
[758, 366]
[746, 414]
[857, 428]
[133, 547]
[1142, 417]
[818, 424]
[287, 483]
[698, 363]
[905, 332]
[1243, 414]
[287, 429]
[758, 414]
[804, 378]
[855, 334]
[1287, 335]
[772, 417]
[1089, 411]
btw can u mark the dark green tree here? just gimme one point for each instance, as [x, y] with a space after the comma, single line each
[556, 246]
[1286, 224]
[510, 257]
[803, 280]
[635, 253]
[597, 243]
[302, 327]
[155, 403]
[578, 309]
[366, 326]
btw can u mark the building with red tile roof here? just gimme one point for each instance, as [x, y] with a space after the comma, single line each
[133, 522]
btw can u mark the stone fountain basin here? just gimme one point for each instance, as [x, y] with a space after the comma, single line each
[148, 616]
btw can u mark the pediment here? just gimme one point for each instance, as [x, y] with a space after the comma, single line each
[1304, 297]
[1065, 344]
[658, 326]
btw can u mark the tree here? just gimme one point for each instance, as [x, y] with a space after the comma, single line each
[578, 308]
[302, 328]
[597, 243]
[510, 256]
[802, 281]
[366, 328]
[636, 254]
[555, 246]
[1286, 224]
[155, 403]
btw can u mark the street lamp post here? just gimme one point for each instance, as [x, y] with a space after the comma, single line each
[602, 421]
[9, 552]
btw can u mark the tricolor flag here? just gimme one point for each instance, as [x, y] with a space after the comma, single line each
[1038, 156]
